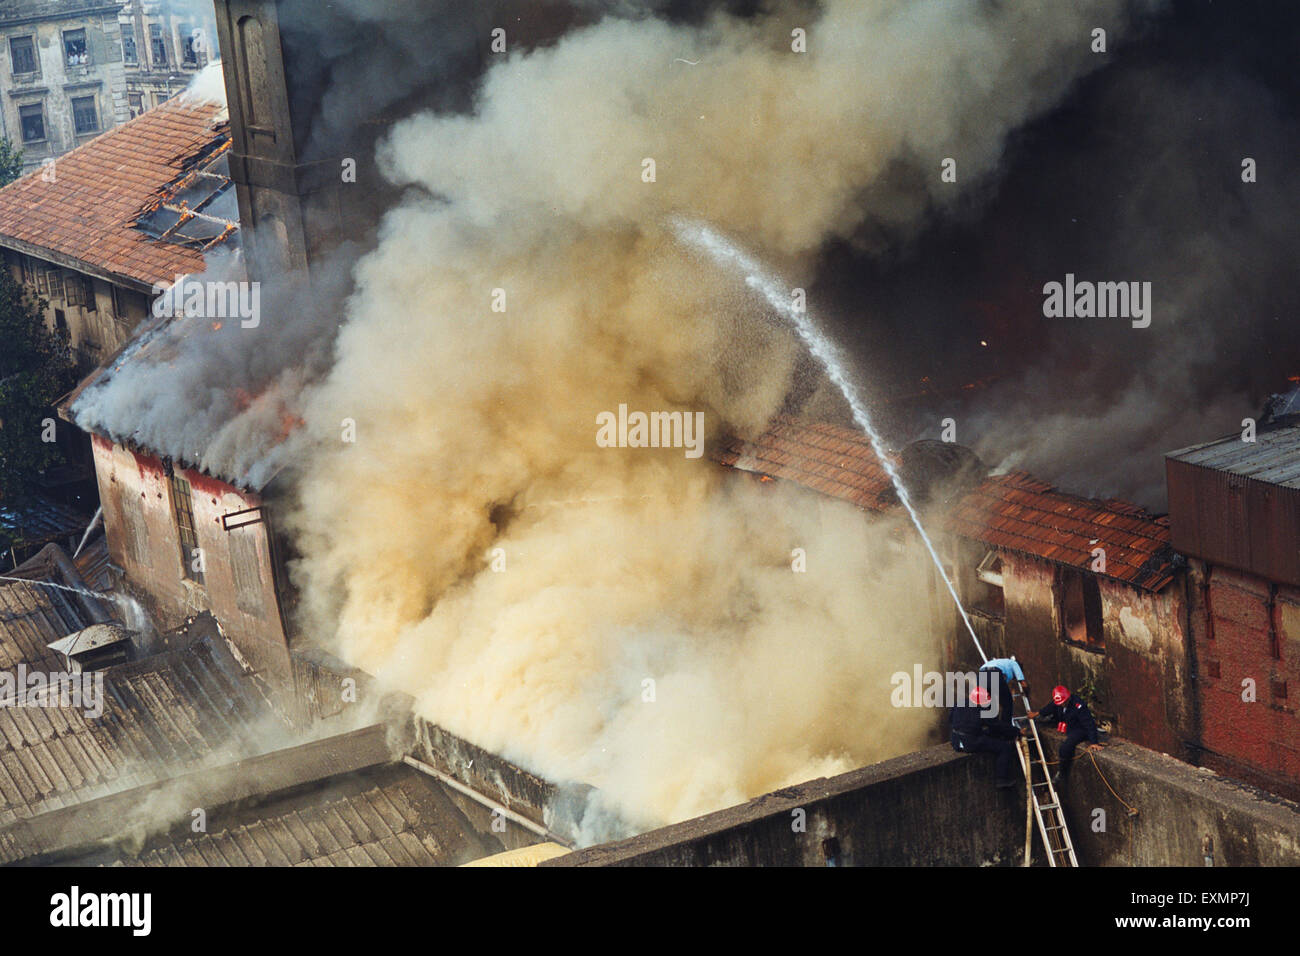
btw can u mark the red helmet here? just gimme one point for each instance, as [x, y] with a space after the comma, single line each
[1060, 695]
[980, 697]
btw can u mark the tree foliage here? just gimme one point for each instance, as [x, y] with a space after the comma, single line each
[11, 162]
[35, 369]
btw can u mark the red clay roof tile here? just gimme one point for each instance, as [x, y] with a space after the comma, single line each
[99, 189]
[1015, 511]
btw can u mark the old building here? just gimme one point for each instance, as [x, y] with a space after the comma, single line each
[188, 542]
[1182, 631]
[119, 217]
[1234, 507]
[164, 44]
[63, 80]
[1084, 592]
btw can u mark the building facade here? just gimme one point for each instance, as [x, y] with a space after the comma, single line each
[164, 44]
[189, 543]
[94, 255]
[1234, 504]
[62, 77]
[1182, 631]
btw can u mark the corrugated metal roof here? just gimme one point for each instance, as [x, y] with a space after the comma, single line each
[1022, 513]
[399, 818]
[1273, 457]
[31, 616]
[836, 461]
[41, 521]
[94, 564]
[175, 711]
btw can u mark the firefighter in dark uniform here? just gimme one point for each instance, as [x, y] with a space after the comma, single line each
[979, 725]
[1072, 718]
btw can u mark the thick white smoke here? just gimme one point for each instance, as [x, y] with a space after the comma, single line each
[477, 547]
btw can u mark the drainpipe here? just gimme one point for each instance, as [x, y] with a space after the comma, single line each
[72, 578]
[1197, 744]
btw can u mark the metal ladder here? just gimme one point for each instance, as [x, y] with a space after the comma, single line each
[1042, 795]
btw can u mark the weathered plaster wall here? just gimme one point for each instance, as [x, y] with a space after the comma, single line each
[143, 540]
[938, 808]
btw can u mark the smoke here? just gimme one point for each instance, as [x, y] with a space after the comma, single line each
[626, 618]
[1138, 177]
[629, 618]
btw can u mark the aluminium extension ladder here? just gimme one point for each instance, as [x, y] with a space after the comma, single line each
[1042, 794]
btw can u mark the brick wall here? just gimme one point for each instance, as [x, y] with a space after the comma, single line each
[1249, 647]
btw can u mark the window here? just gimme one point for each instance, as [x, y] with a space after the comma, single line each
[987, 594]
[32, 120]
[74, 47]
[88, 294]
[25, 267]
[130, 56]
[42, 282]
[183, 510]
[157, 49]
[84, 115]
[72, 289]
[22, 53]
[56, 284]
[136, 102]
[1080, 606]
[189, 52]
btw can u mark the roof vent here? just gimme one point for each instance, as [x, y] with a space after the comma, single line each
[95, 648]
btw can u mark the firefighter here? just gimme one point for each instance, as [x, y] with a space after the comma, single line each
[1074, 719]
[980, 726]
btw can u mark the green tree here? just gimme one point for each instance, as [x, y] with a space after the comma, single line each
[11, 162]
[35, 369]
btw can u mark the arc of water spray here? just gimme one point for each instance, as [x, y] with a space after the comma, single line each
[99, 513]
[726, 253]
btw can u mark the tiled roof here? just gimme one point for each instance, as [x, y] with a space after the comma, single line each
[399, 819]
[1022, 513]
[86, 210]
[175, 711]
[828, 458]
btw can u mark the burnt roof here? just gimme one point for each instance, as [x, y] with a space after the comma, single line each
[84, 217]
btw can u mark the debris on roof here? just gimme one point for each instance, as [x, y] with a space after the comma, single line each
[1021, 513]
